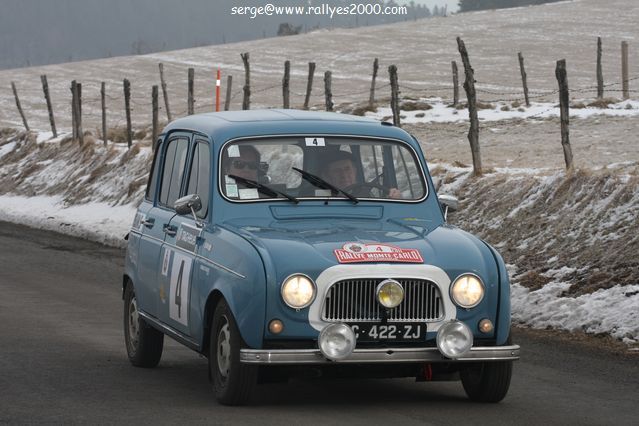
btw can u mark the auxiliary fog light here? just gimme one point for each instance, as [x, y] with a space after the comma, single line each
[336, 341]
[454, 339]
[390, 293]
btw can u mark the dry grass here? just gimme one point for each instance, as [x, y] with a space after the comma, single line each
[603, 103]
[586, 221]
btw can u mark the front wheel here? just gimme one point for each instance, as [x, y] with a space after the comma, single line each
[144, 344]
[233, 381]
[487, 381]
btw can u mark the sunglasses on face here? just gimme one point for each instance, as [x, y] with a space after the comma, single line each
[240, 165]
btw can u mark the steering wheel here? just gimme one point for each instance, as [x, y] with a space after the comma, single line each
[356, 187]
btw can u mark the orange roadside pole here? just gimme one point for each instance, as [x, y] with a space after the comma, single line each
[218, 83]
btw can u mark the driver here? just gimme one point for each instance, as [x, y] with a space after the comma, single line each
[341, 172]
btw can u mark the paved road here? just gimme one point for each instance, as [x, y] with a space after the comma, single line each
[62, 360]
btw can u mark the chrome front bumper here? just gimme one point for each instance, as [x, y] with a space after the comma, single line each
[365, 356]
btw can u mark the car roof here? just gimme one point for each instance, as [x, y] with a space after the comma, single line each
[222, 126]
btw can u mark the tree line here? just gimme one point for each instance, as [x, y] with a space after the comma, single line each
[469, 5]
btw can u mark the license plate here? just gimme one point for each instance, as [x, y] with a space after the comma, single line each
[393, 332]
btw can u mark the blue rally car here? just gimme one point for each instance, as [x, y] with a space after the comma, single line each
[281, 243]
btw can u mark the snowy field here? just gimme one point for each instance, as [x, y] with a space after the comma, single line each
[422, 51]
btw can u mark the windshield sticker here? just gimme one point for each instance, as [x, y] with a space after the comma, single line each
[357, 252]
[322, 192]
[234, 151]
[229, 180]
[315, 142]
[231, 191]
[248, 194]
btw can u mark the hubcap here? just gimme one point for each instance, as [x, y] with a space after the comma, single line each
[224, 350]
[134, 324]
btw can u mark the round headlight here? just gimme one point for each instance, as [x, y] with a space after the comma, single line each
[467, 291]
[390, 293]
[298, 291]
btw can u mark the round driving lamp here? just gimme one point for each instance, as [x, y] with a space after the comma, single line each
[467, 291]
[390, 293]
[336, 341]
[454, 339]
[298, 291]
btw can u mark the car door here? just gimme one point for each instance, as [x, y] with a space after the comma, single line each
[172, 158]
[181, 246]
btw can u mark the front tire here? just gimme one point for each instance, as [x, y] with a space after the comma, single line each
[487, 381]
[233, 382]
[144, 344]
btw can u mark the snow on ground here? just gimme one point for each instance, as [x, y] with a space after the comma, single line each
[422, 50]
[613, 311]
[94, 221]
[442, 112]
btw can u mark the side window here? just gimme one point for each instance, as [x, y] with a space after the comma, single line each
[174, 162]
[201, 175]
[408, 181]
[153, 177]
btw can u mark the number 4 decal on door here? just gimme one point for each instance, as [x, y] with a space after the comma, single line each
[180, 279]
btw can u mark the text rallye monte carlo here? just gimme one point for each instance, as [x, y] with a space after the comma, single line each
[284, 242]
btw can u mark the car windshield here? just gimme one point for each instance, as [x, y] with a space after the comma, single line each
[320, 167]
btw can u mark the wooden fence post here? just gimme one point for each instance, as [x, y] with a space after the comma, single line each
[47, 97]
[600, 79]
[78, 100]
[190, 102]
[392, 71]
[469, 87]
[74, 113]
[104, 119]
[286, 81]
[328, 94]
[455, 83]
[246, 102]
[127, 107]
[15, 94]
[227, 99]
[624, 70]
[564, 97]
[524, 80]
[309, 84]
[371, 98]
[154, 120]
[165, 93]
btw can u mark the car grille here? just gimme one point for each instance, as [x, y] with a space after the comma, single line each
[355, 301]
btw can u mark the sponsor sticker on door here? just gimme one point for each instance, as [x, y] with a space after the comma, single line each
[358, 252]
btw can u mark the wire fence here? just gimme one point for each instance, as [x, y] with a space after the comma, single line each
[141, 106]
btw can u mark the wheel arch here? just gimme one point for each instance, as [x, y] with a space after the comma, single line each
[211, 302]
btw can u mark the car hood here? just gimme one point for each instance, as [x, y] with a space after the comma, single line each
[310, 246]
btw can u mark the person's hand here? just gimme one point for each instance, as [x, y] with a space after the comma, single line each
[394, 193]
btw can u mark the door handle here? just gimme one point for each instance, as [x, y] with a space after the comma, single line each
[148, 222]
[170, 230]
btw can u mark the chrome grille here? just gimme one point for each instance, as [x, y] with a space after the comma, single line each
[355, 301]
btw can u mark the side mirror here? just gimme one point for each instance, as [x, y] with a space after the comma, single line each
[188, 204]
[449, 203]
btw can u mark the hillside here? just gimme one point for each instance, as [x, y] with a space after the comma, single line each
[422, 50]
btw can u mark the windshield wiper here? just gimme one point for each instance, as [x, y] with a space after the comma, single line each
[264, 189]
[322, 184]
